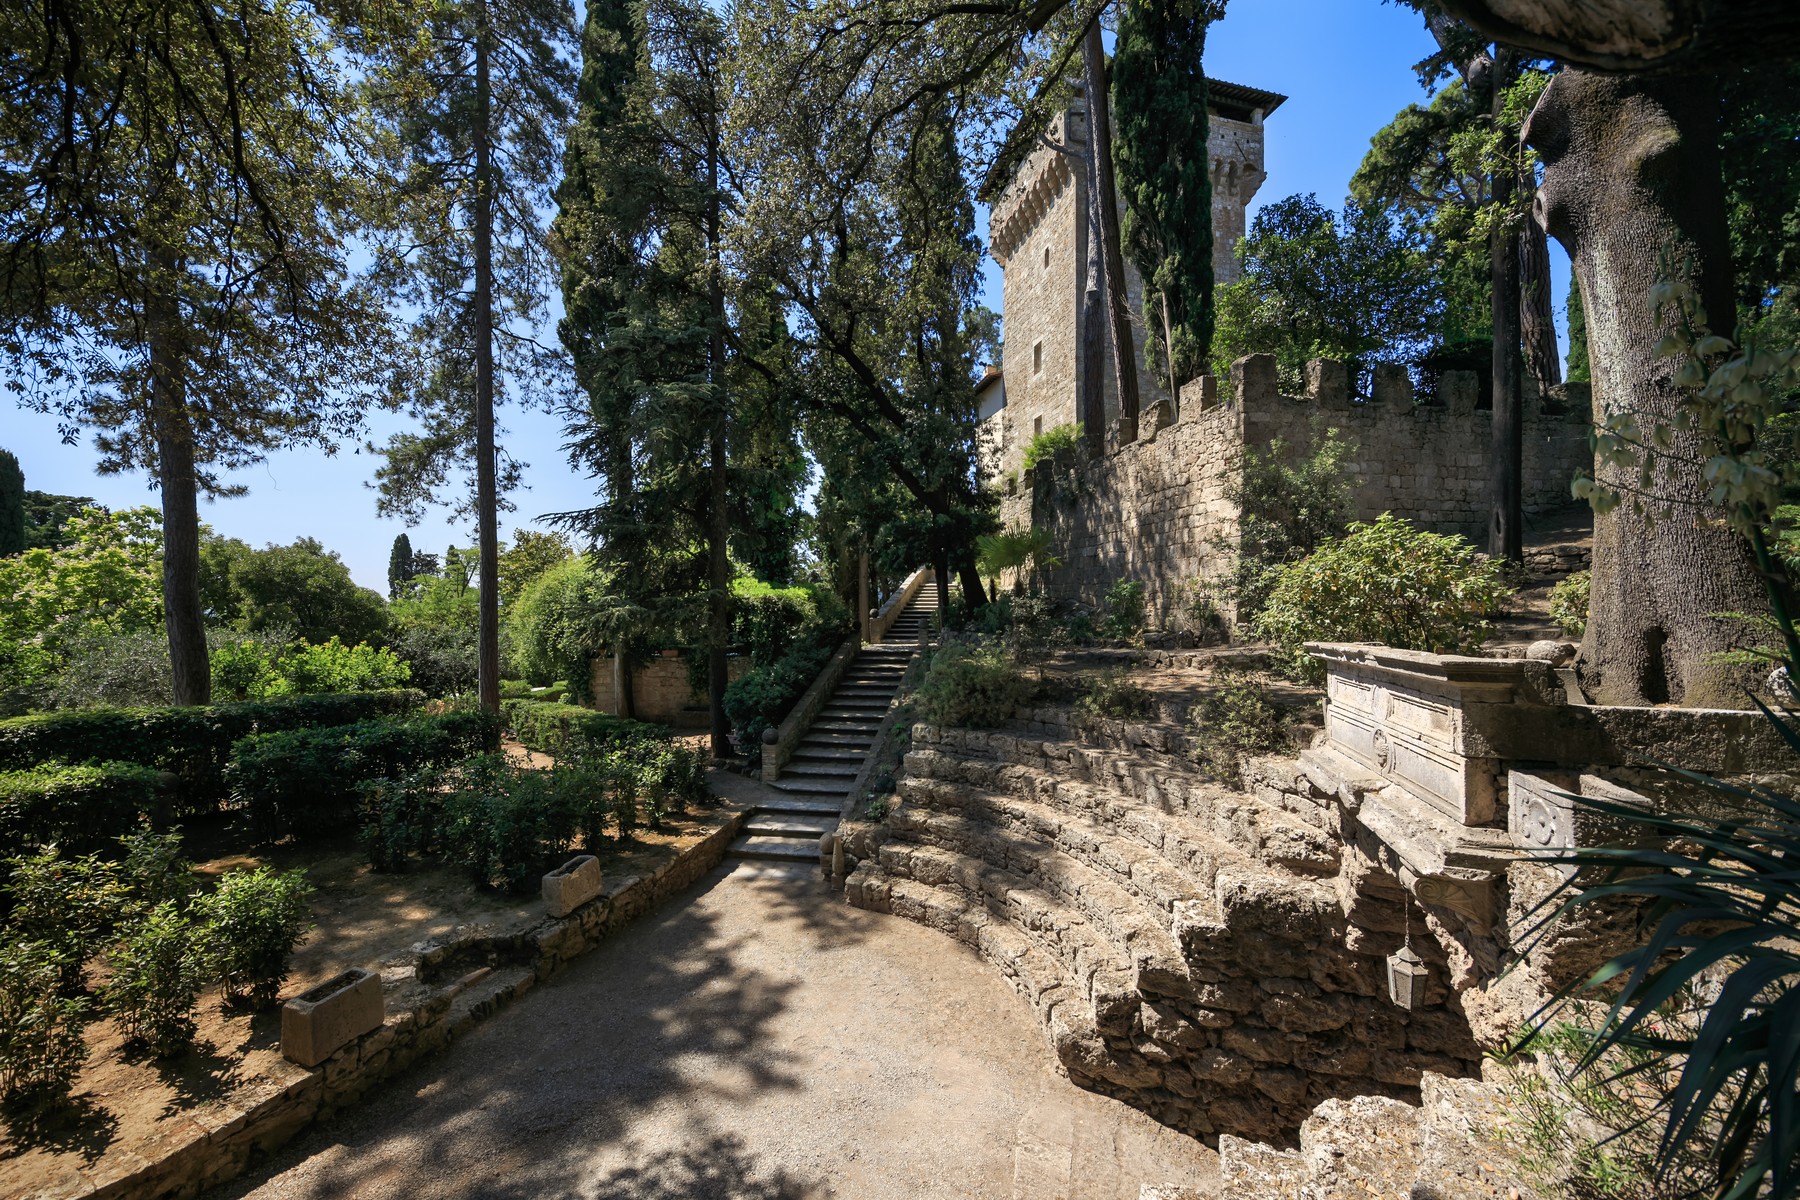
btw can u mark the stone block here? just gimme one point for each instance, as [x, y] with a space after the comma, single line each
[572, 885]
[1253, 382]
[1393, 386]
[1459, 390]
[320, 1021]
[1328, 382]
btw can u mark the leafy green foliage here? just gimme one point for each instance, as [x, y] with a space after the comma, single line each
[305, 781]
[1316, 284]
[1125, 614]
[1115, 696]
[79, 807]
[1580, 371]
[760, 698]
[1386, 582]
[153, 869]
[250, 925]
[157, 973]
[1289, 506]
[1049, 444]
[1569, 602]
[195, 743]
[561, 729]
[41, 1042]
[72, 906]
[307, 589]
[1234, 719]
[108, 580]
[251, 670]
[972, 685]
[997, 553]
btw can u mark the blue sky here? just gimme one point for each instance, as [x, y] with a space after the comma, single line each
[1345, 66]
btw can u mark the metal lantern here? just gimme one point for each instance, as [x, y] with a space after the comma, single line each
[1406, 978]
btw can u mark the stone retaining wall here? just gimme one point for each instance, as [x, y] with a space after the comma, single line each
[466, 981]
[1159, 510]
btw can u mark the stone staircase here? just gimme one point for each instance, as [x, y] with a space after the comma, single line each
[816, 781]
[1185, 945]
[1461, 1143]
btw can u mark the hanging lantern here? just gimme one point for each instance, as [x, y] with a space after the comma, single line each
[1406, 978]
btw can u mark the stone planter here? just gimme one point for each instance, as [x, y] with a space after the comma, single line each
[572, 885]
[320, 1021]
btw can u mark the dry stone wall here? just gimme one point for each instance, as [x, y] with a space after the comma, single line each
[1159, 510]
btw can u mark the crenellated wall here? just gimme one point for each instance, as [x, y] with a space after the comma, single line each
[1159, 510]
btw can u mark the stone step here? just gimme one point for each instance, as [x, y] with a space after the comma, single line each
[863, 720]
[793, 825]
[1162, 807]
[821, 770]
[846, 727]
[881, 691]
[803, 786]
[1137, 938]
[847, 743]
[862, 703]
[1109, 979]
[1032, 971]
[809, 751]
[1003, 828]
[776, 849]
[797, 804]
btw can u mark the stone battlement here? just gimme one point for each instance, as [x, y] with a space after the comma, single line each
[1159, 510]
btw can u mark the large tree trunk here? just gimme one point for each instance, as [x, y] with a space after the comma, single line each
[1637, 35]
[487, 500]
[968, 572]
[1631, 169]
[1543, 360]
[182, 615]
[718, 624]
[1506, 517]
[1106, 190]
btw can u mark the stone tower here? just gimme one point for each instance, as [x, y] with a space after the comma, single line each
[1037, 231]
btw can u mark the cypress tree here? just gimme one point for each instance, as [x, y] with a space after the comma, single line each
[1579, 370]
[1159, 147]
[400, 566]
[12, 505]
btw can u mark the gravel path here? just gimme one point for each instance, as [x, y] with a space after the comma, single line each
[756, 1038]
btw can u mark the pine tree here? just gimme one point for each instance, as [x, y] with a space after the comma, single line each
[177, 201]
[480, 104]
[1159, 107]
[400, 566]
[12, 505]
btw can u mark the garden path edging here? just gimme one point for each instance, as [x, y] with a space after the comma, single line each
[218, 1144]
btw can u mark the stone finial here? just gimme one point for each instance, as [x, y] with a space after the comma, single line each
[1253, 381]
[1201, 392]
[1460, 390]
[1328, 382]
[1393, 385]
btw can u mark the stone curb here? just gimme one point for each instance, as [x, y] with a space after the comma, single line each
[217, 1145]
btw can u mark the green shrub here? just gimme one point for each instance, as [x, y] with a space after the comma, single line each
[553, 729]
[972, 685]
[73, 906]
[305, 781]
[79, 807]
[397, 817]
[762, 697]
[1050, 443]
[250, 925]
[768, 621]
[1113, 696]
[1569, 603]
[1290, 505]
[194, 743]
[41, 1043]
[1125, 610]
[252, 670]
[158, 972]
[500, 822]
[1235, 720]
[1385, 582]
[153, 869]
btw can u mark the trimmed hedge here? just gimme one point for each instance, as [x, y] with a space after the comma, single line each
[304, 781]
[547, 728]
[194, 743]
[80, 808]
